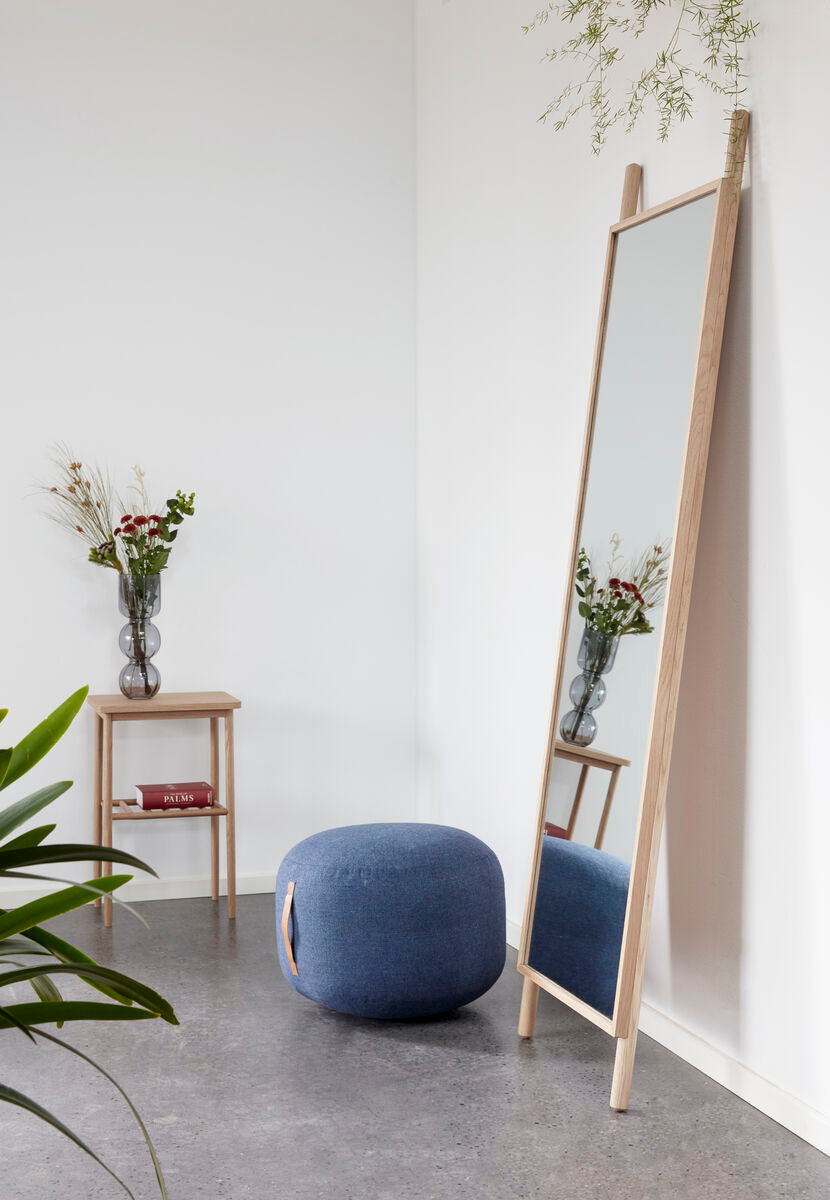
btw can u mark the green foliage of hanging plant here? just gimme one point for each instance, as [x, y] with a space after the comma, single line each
[702, 50]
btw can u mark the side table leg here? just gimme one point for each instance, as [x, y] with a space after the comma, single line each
[606, 808]
[96, 801]
[229, 802]
[214, 821]
[580, 788]
[106, 805]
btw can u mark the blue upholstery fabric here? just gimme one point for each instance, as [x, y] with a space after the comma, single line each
[393, 920]
[578, 921]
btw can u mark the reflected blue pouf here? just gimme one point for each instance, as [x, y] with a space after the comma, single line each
[393, 920]
[578, 920]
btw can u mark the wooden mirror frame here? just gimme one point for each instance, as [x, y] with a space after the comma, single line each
[623, 1024]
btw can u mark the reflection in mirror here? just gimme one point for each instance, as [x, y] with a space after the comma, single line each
[597, 766]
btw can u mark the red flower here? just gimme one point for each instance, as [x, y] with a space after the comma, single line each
[116, 532]
[140, 520]
[614, 583]
[127, 517]
[618, 594]
[128, 529]
[153, 517]
[152, 533]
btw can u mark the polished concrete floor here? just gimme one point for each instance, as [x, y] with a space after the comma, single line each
[262, 1095]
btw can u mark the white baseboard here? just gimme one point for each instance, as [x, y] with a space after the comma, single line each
[184, 887]
[806, 1122]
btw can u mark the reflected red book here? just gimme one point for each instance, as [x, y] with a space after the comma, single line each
[555, 830]
[174, 795]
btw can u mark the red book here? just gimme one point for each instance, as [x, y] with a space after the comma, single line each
[174, 795]
[555, 830]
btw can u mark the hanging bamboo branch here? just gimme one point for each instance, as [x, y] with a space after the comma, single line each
[703, 50]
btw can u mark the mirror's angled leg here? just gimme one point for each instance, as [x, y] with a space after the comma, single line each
[527, 1011]
[631, 191]
[623, 1071]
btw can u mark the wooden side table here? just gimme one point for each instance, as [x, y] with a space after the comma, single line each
[169, 706]
[587, 758]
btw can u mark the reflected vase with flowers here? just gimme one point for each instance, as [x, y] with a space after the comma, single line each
[611, 609]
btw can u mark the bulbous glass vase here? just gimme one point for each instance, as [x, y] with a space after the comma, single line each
[596, 656]
[139, 599]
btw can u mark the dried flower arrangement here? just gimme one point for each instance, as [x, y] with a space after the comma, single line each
[628, 591]
[136, 542]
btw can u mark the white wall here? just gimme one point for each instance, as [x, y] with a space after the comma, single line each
[208, 246]
[207, 239]
[512, 221]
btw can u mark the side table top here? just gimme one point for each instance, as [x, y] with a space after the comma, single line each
[164, 702]
[589, 755]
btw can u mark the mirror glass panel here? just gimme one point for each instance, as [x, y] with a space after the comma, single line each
[632, 488]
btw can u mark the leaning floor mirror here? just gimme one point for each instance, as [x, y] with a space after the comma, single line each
[623, 629]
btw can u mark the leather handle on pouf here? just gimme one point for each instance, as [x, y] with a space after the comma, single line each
[286, 913]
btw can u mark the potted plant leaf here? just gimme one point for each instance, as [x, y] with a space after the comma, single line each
[33, 955]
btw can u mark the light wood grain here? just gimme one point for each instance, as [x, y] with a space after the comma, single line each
[577, 800]
[589, 757]
[588, 754]
[106, 804]
[527, 1010]
[211, 706]
[230, 819]
[606, 808]
[631, 190]
[623, 1071]
[658, 210]
[286, 913]
[736, 146]
[196, 702]
[167, 814]
[214, 825]
[574, 1002]
[97, 811]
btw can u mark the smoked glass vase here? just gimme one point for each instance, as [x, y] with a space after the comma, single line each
[596, 655]
[139, 599]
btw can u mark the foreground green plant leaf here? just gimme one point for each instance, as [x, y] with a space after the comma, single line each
[17, 813]
[43, 737]
[21, 935]
[33, 837]
[17, 920]
[72, 1050]
[11, 1096]
[138, 992]
[36, 1012]
[34, 856]
[43, 941]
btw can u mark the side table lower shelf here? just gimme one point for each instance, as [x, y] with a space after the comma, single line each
[120, 812]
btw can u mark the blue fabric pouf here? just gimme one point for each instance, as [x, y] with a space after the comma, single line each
[393, 920]
[578, 920]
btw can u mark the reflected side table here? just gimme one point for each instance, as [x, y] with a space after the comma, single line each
[170, 706]
[587, 758]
